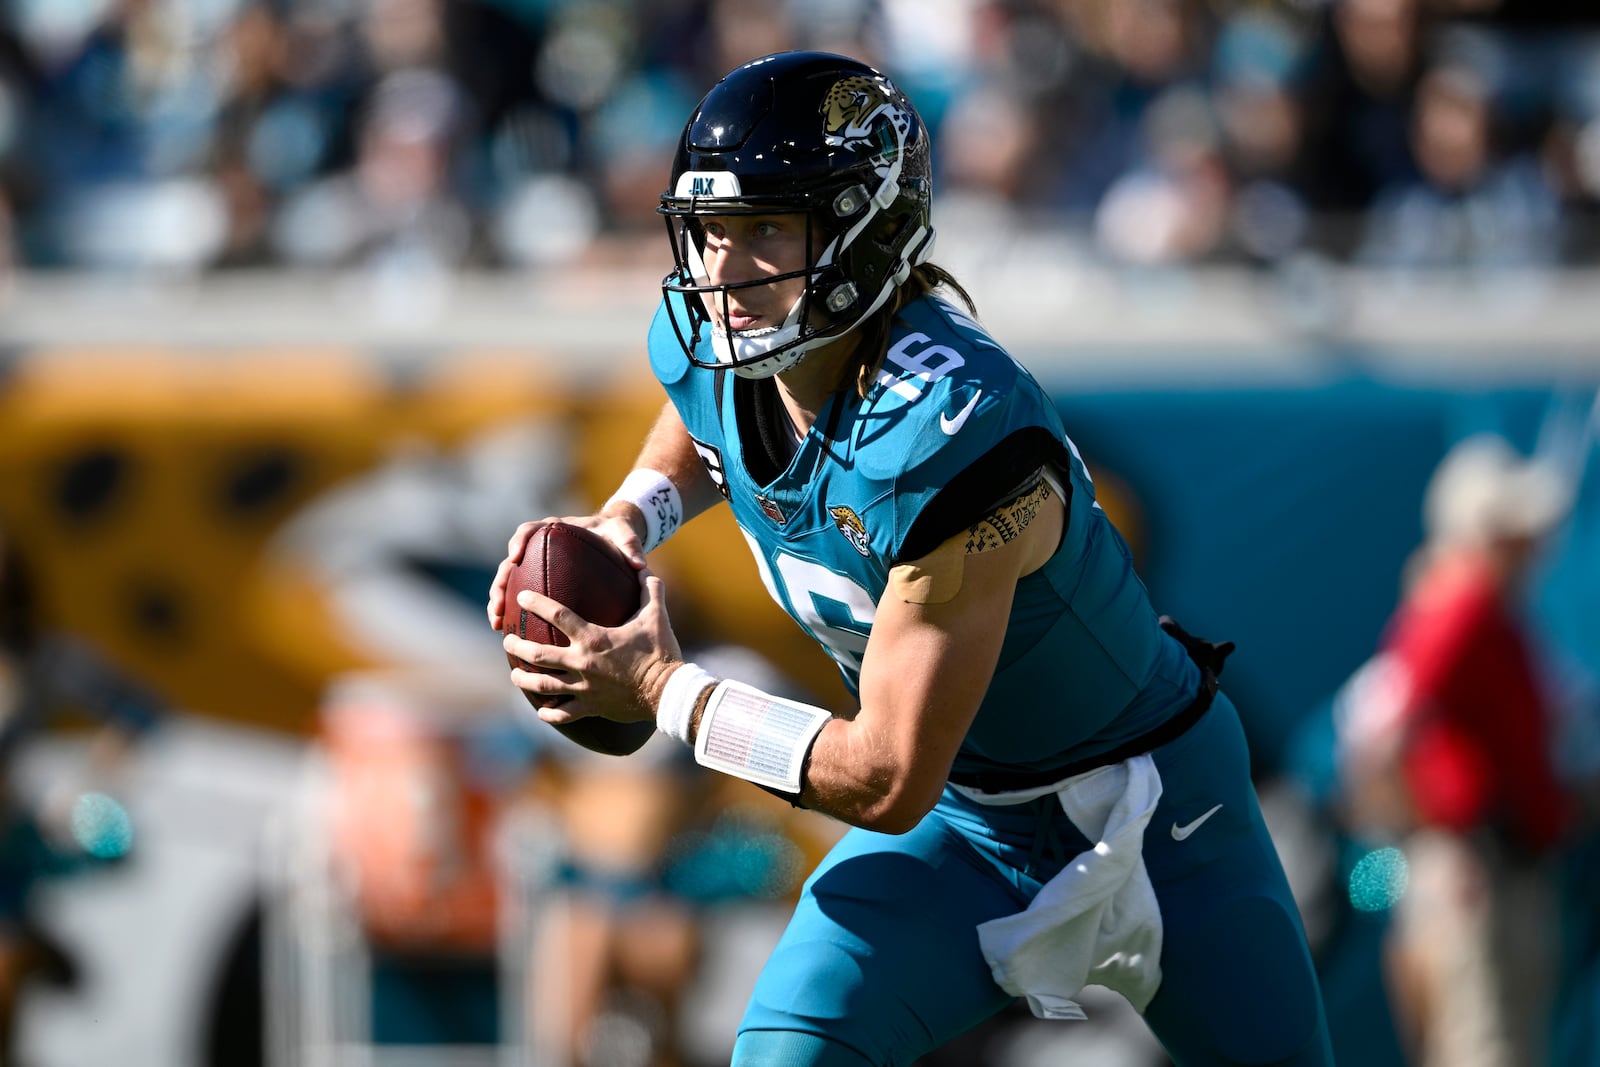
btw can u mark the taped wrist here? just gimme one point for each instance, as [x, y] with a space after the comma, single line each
[676, 709]
[654, 494]
[758, 737]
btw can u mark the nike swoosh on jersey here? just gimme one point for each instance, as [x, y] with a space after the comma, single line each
[953, 426]
[1181, 832]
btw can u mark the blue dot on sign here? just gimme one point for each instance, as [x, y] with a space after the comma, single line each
[101, 826]
[1378, 880]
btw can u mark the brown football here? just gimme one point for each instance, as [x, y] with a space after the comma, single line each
[585, 572]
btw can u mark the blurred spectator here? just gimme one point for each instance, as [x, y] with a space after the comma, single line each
[7, 247]
[16, 90]
[615, 950]
[1173, 207]
[1470, 205]
[418, 774]
[1137, 54]
[1262, 127]
[396, 205]
[1357, 90]
[71, 824]
[648, 847]
[1448, 755]
[1569, 158]
[286, 100]
[1000, 100]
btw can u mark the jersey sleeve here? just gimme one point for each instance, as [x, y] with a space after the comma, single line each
[969, 439]
[1012, 467]
[667, 359]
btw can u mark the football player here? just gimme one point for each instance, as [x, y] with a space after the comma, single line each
[1047, 790]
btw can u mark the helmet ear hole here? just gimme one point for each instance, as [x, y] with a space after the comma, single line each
[889, 232]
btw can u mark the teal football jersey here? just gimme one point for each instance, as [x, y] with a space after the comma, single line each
[951, 426]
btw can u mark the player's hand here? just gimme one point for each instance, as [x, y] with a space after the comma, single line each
[620, 523]
[615, 524]
[615, 672]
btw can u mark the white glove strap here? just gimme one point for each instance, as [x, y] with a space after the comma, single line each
[653, 494]
[756, 736]
[684, 686]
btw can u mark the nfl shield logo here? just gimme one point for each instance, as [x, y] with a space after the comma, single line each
[772, 510]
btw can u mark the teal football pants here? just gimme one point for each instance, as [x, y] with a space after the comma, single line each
[881, 963]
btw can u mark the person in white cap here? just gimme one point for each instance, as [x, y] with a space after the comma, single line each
[1454, 765]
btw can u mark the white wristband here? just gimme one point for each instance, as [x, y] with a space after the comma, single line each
[653, 494]
[757, 736]
[684, 686]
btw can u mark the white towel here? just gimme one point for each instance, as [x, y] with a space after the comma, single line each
[1097, 921]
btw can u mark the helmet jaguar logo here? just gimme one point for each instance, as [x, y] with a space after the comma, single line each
[854, 530]
[853, 106]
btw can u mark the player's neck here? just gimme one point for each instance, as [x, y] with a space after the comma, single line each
[804, 389]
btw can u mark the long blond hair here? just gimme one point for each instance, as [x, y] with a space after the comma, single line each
[873, 341]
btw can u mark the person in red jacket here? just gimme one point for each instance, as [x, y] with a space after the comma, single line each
[1477, 757]
[1449, 757]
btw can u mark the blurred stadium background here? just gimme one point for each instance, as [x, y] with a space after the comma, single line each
[304, 304]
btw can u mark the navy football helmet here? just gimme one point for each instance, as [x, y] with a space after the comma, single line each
[800, 133]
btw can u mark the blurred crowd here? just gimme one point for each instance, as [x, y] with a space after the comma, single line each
[417, 135]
